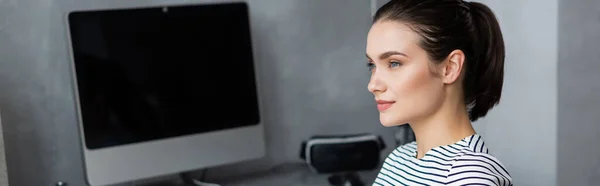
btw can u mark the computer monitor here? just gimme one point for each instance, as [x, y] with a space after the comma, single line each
[164, 90]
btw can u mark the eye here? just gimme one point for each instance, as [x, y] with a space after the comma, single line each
[370, 66]
[394, 64]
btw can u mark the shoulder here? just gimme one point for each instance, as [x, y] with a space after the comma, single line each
[478, 168]
[400, 156]
[407, 149]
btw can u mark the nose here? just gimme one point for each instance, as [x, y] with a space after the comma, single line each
[376, 85]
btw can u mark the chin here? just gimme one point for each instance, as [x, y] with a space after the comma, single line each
[391, 121]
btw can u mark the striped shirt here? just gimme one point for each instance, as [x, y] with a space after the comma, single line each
[466, 162]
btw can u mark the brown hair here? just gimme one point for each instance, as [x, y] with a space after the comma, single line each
[447, 25]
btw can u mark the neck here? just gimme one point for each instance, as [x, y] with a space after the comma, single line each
[446, 126]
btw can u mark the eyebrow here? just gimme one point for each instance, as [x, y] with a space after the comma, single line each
[388, 54]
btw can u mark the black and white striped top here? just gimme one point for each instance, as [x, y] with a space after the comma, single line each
[465, 162]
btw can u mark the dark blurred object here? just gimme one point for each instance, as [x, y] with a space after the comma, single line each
[346, 180]
[342, 156]
[404, 135]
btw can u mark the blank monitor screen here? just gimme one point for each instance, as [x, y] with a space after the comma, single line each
[155, 73]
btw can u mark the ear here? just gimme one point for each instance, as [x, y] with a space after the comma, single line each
[453, 66]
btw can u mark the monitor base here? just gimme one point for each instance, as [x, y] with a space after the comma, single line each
[179, 183]
[184, 180]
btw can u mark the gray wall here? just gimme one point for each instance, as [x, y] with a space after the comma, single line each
[578, 92]
[314, 48]
[311, 53]
[36, 102]
[521, 131]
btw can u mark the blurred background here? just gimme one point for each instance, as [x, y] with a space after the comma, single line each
[311, 55]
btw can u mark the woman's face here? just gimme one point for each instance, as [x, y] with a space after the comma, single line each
[403, 78]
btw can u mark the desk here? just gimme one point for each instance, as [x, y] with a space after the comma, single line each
[291, 175]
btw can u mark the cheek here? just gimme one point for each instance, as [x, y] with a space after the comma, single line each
[413, 82]
[417, 93]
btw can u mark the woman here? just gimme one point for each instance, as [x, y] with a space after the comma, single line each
[438, 66]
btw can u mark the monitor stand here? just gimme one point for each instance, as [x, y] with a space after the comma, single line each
[189, 181]
[184, 180]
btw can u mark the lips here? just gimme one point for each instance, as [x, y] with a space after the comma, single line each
[383, 105]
